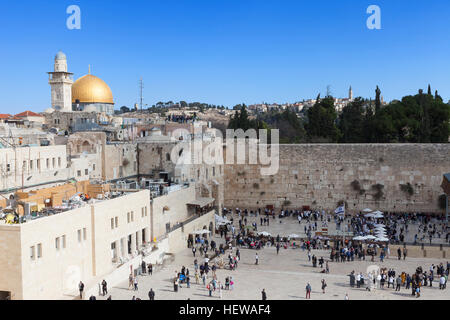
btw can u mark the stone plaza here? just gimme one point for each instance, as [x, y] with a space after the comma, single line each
[284, 276]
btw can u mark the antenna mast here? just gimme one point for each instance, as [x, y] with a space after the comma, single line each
[141, 87]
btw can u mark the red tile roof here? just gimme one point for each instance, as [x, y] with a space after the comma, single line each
[4, 116]
[27, 114]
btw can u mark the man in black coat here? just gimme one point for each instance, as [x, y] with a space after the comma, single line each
[151, 294]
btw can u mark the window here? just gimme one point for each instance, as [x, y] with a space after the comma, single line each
[63, 241]
[31, 164]
[38, 164]
[48, 163]
[32, 253]
[112, 223]
[79, 235]
[53, 162]
[57, 244]
[168, 156]
[79, 173]
[84, 234]
[8, 167]
[93, 167]
[214, 171]
[86, 172]
[59, 162]
[142, 212]
[132, 216]
[117, 221]
[39, 250]
[128, 217]
[145, 211]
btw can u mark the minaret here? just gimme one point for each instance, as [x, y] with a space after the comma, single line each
[61, 83]
[350, 93]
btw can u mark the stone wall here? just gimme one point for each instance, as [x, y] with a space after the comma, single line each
[321, 175]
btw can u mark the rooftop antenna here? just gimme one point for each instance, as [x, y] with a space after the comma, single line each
[141, 87]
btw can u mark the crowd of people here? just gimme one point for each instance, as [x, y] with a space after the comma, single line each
[243, 234]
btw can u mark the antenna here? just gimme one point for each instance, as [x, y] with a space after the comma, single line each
[141, 87]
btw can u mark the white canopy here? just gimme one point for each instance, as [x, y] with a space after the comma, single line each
[264, 234]
[370, 237]
[369, 215]
[201, 231]
[382, 239]
[294, 236]
[359, 238]
[220, 221]
[377, 212]
[367, 210]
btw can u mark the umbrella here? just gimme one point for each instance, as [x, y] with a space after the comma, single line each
[370, 237]
[264, 233]
[293, 236]
[377, 212]
[369, 215]
[378, 216]
[382, 239]
[367, 210]
[359, 238]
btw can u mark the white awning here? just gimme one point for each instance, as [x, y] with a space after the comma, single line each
[201, 202]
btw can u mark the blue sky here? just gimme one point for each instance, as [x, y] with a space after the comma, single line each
[225, 51]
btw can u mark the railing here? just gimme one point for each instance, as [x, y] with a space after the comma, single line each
[187, 221]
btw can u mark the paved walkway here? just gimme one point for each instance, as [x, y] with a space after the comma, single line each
[283, 276]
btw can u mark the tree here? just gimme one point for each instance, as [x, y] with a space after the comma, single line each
[124, 109]
[351, 122]
[290, 126]
[321, 125]
[377, 100]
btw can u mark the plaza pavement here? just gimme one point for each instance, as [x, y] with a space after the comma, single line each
[283, 276]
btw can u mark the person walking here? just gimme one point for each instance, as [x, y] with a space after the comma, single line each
[308, 291]
[104, 287]
[256, 259]
[135, 284]
[209, 288]
[130, 282]
[81, 289]
[151, 294]
[263, 294]
[150, 269]
[324, 285]
[194, 249]
[399, 283]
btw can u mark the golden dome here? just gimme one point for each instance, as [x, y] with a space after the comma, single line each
[91, 89]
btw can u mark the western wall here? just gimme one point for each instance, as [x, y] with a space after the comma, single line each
[360, 175]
